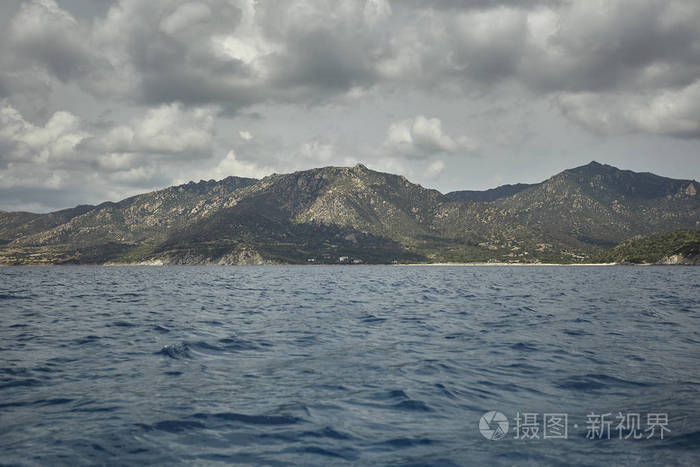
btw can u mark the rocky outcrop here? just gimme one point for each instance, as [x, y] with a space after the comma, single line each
[679, 259]
[243, 256]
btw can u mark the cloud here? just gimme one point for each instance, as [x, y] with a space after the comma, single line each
[26, 143]
[239, 53]
[670, 112]
[264, 157]
[42, 166]
[422, 137]
[185, 16]
[434, 170]
[43, 33]
[233, 53]
[182, 78]
[167, 129]
[316, 152]
[65, 153]
[232, 166]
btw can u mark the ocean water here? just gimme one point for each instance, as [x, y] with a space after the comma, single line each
[366, 365]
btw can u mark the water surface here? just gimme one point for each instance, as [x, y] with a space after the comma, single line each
[357, 365]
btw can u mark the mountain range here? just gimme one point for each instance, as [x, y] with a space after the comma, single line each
[354, 215]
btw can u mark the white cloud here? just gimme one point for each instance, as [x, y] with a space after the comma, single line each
[44, 165]
[434, 170]
[64, 154]
[421, 137]
[167, 129]
[670, 112]
[231, 165]
[25, 142]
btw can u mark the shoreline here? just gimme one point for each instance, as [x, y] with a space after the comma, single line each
[161, 264]
[520, 264]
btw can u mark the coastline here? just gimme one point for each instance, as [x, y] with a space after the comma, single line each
[164, 263]
[520, 264]
[159, 263]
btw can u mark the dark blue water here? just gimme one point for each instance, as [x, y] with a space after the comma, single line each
[343, 365]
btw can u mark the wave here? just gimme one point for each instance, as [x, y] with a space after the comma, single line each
[187, 349]
[598, 381]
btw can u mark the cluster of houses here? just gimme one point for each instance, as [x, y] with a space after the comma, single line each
[349, 260]
[341, 260]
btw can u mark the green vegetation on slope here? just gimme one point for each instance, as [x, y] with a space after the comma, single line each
[678, 247]
[323, 215]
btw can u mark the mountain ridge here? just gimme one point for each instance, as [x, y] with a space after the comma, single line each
[491, 194]
[328, 213]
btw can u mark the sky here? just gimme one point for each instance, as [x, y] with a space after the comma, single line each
[104, 99]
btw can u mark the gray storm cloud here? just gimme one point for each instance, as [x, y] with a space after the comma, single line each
[400, 85]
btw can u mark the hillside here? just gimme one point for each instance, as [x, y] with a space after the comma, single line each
[491, 194]
[578, 211]
[342, 214]
[678, 247]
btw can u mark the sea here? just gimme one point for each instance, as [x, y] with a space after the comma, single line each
[350, 365]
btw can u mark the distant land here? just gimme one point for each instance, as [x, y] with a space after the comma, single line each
[593, 213]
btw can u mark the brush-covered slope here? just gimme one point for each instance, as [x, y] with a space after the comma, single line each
[143, 217]
[375, 202]
[332, 212]
[319, 214]
[95, 234]
[14, 225]
[678, 247]
[580, 209]
[491, 194]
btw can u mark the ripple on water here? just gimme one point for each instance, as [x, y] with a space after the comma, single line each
[331, 365]
[15, 297]
[29, 382]
[188, 349]
[598, 382]
[250, 419]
